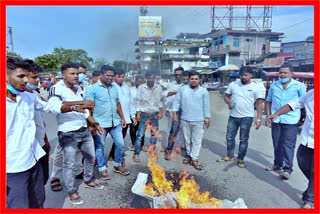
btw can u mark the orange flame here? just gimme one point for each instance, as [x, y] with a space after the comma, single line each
[152, 128]
[187, 196]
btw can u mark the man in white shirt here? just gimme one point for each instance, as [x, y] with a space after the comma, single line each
[139, 80]
[32, 87]
[124, 97]
[240, 98]
[24, 174]
[182, 79]
[149, 108]
[73, 133]
[305, 153]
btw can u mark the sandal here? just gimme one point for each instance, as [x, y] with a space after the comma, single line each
[56, 185]
[273, 168]
[77, 200]
[196, 165]
[136, 158]
[225, 159]
[241, 164]
[187, 160]
[121, 169]
[94, 185]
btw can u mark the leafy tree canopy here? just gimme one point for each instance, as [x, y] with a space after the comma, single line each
[48, 62]
[310, 38]
[120, 64]
[69, 55]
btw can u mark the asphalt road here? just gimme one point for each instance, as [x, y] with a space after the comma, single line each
[257, 187]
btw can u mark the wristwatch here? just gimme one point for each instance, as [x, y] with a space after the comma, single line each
[96, 124]
[74, 108]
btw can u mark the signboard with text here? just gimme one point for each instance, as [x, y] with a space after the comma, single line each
[150, 28]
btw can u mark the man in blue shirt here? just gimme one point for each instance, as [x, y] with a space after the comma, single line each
[194, 102]
[284, 129]
[108, 114]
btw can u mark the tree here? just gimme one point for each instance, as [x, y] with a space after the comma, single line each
[70, 55]
[99, 62]
[10, 53]
[120, 64]
[309, 38]
[49, 62]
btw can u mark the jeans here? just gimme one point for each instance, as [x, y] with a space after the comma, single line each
[133, 134]
[284, 137]
[174, 128]
[112, 152]
[70, 143]
[58, 162]
[193, 133]
[305, 161]
[26, 189]
[116, 134]
[142, 130]
[232, 129]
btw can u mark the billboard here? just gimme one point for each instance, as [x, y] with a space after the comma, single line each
[150, 28]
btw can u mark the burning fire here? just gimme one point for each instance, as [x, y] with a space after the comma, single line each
[188, 195]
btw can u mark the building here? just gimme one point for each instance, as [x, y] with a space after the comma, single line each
[239, 47]
[165, 56]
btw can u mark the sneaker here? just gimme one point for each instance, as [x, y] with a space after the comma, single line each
[121, 169]
[284, 175]
[104, 175]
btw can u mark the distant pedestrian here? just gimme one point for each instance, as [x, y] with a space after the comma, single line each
[240, 98]
[284, 129]
[149, 108]
[95, 77]
[194, 103]
[305, 153]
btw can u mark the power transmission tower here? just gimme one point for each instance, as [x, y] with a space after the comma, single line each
[241, 17]
[11, 40]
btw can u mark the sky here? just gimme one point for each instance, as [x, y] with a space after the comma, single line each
[110, 32]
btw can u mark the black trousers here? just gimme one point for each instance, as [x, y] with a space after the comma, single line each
[26, 189]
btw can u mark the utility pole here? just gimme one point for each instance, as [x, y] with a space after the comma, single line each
[11, 40]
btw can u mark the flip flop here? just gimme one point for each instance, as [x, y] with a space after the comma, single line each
[94, 185]
[240, 164]
[77, 200]
[225, 159]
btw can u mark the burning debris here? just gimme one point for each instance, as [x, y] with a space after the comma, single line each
[176, 190]
[181, 192]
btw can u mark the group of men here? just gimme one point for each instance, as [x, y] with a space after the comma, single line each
[86, 114]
